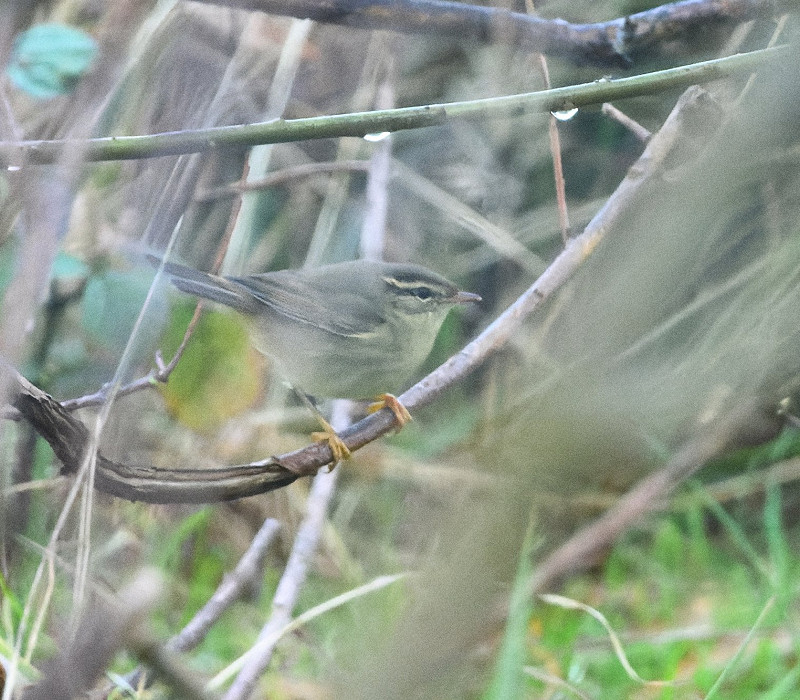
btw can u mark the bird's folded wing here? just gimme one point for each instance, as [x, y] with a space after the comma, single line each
[338, 311]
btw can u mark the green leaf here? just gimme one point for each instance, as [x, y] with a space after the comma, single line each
[219, 375]
[68, 267]
[47, 60]
[68, 276]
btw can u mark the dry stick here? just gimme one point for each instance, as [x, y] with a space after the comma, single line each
[555, 144]
[558, 170]
[280, 177]
[248, 570]
[602, 43]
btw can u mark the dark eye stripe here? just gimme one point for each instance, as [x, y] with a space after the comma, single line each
[421, 292]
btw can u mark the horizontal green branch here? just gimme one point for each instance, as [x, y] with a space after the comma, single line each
[363, 123]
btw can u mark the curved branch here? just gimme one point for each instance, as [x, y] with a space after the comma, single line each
[69, 438]
[363, 123]
[600, 43]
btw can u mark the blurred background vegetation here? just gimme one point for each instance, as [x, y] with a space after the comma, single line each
[689, 308]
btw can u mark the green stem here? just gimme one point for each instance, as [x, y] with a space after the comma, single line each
[362, 123]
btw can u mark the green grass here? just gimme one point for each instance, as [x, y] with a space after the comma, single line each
[701, 599]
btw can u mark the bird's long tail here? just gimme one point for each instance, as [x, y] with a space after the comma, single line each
[208, 286]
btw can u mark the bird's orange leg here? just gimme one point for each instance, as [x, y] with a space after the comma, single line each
[390, 401]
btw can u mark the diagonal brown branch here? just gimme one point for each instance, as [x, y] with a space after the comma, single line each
[752, 423]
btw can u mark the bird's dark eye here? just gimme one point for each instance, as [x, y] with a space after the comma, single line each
[421, 292]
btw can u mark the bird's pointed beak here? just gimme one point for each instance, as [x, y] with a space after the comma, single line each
[465, 298]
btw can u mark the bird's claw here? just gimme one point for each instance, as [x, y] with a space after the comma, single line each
[339, 450]
[390, 401]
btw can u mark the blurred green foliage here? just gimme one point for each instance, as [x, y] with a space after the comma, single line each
[111, 304]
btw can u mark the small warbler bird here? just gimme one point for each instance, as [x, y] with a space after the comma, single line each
[352, 330]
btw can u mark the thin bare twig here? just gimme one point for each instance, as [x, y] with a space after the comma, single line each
[279, 177]
[555, 143]
[558, 176]
[159, 375]
[640, 132]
